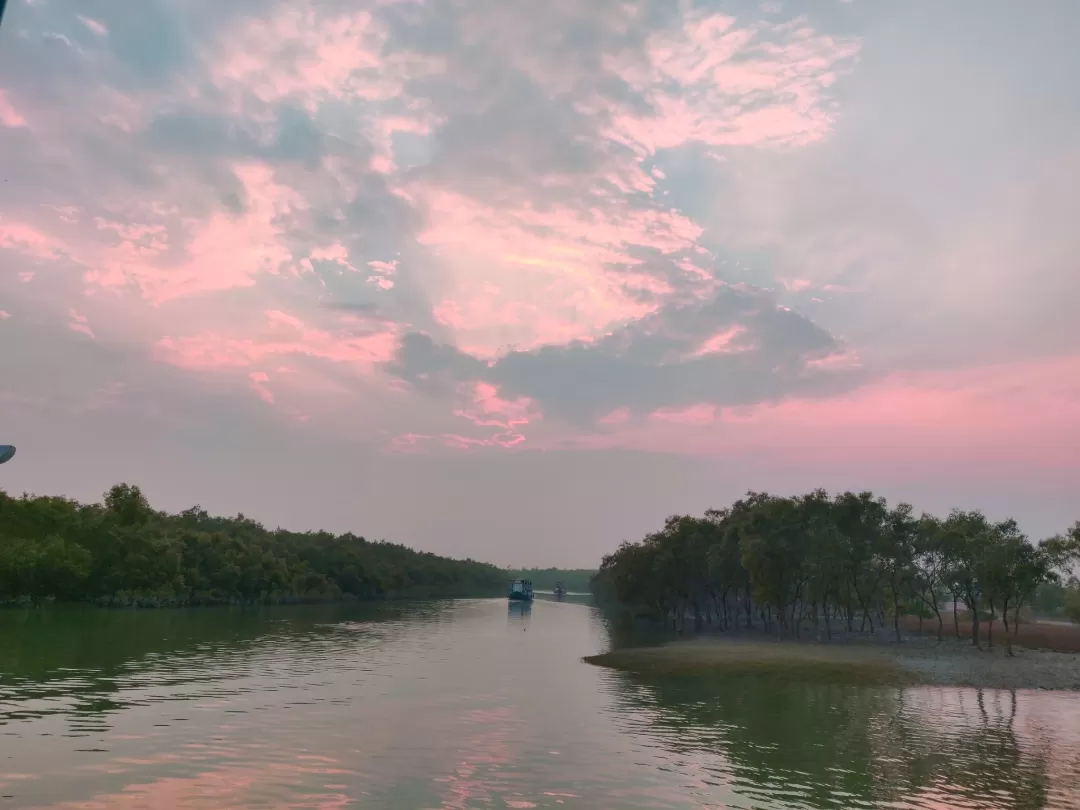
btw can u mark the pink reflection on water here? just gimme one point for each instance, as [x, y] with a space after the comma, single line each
[486, 747]
[238, 786]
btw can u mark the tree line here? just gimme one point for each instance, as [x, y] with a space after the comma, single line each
[846, 563]
[575, 580]
[123, 552]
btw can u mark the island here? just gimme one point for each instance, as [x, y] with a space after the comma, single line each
[845, 587]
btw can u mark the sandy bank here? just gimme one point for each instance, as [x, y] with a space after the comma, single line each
[915, 660]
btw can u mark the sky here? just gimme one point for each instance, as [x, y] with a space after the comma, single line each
[517, 280]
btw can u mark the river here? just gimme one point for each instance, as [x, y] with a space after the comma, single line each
[469, 704]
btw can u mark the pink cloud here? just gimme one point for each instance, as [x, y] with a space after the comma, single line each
[276, 317]
[409, 442]
[258, 385]
[97, 27]
[499, 423]
[223, 252]
[415, 442]
[284, 335]
[695, 415]
[28, 240]
[618, 416]
[515, 273]
[9, 116]
[1023, 414]
[80, 323]
[335, 252]
[526, 276]
[488, 410]
[692, 269]
[848, 359]
[302, 54]
[715, 83]
[723, 342]
[383, 271]
[4, 315]
[459, 442]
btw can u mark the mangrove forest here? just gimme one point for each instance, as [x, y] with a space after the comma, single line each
[122, 552]
[847, 563]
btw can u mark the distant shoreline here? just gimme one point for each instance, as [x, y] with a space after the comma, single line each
[287, 600]
[917, 660]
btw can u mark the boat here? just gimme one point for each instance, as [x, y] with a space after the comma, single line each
[560, 590]
[521, 590]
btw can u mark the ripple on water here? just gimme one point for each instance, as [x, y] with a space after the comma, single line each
[800, 745]
[444, 708]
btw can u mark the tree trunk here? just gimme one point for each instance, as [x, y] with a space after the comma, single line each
[1005, 621]
[955, 616]
[850, 612]
[896, 610]
[974, 605]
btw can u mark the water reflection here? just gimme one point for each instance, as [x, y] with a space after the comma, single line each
[442, 705]
[811, 746]
[519, 614]
[80, 663]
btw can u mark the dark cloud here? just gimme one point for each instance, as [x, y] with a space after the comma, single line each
[517, 82]
[653, 363]
[434, 368]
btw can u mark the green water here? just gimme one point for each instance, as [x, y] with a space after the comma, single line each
[470, 705]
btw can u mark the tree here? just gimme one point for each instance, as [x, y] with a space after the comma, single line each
[896, 555]
[931, 566]
[122, 552]
[127, 505]
[783, 561]
[1072, 603]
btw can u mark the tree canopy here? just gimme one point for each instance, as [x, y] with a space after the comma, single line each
[832, 563]
[123, 552]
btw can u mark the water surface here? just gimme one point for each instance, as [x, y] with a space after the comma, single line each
[471, 704]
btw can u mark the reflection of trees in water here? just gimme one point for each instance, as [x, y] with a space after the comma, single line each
[75, 661]
[791, 744]
[961, 746]
[623, 630]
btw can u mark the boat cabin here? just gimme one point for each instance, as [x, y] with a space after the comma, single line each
[521, 590]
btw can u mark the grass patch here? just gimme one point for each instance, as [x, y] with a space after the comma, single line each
[760, 660]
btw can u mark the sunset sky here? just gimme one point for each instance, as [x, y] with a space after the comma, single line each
[517, 279]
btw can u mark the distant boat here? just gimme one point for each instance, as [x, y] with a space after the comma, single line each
[560, 590]
[521, 590]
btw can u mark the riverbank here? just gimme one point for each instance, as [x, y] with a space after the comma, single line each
[916, 660]
[143, 602]
[1040, 634]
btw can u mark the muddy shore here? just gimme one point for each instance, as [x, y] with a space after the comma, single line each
[915, 660]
